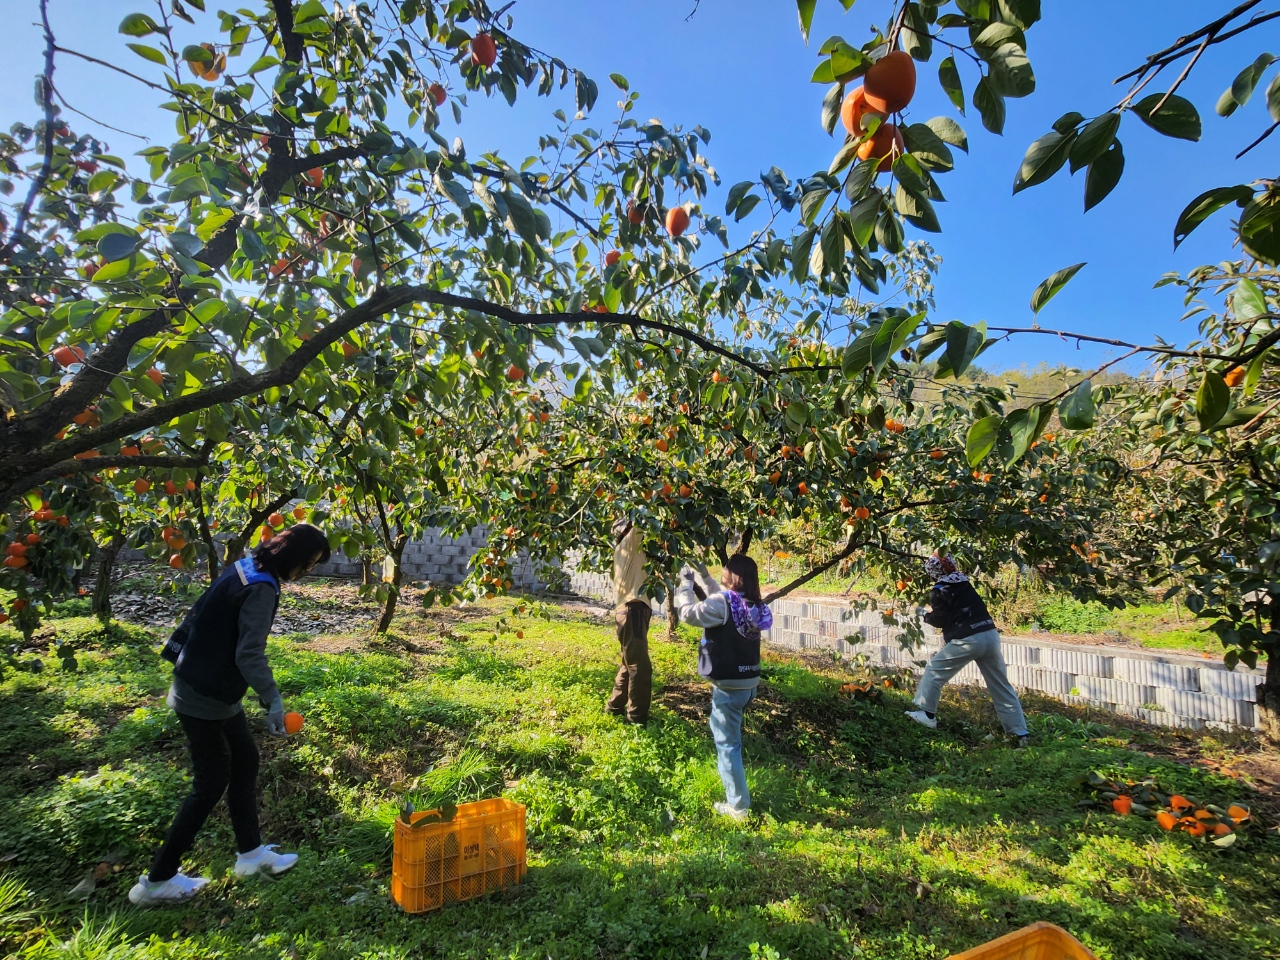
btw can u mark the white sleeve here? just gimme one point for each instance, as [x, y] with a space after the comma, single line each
[711, 612]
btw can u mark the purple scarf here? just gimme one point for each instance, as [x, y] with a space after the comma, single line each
[748, 618]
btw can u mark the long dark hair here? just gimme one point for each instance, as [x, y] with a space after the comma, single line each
[742, 576]
[294, 549]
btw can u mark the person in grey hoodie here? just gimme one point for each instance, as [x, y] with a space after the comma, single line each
[729, 656]
[219, 651]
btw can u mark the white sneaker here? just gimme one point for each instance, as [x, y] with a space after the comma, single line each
[178, 887]
[264, 858]
[725, 810]
[922, 718]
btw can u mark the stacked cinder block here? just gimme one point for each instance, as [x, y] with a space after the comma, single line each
[1163, 689]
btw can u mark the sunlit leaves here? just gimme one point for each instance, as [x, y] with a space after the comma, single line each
[981, 439]
[1212, 399]
[1048, 288]
[1077, 410]
[1241, 89]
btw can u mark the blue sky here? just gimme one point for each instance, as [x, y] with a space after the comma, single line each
[740, 68]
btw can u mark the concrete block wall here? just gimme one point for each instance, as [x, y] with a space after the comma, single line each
[440, 559]
[1161, 689]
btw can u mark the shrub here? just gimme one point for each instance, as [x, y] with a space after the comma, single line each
[1068, 615]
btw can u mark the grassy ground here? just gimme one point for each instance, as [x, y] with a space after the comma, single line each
[872, 838]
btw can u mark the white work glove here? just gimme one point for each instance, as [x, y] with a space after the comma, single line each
[275, 718]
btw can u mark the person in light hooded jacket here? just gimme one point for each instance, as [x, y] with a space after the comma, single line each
[729, 656]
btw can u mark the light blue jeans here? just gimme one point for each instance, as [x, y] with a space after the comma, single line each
[726, 730]
[984, 650]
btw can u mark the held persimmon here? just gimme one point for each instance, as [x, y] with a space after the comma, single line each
[891, 82]
[292, 722]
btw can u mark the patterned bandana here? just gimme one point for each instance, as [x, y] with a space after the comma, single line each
[943, 570]
[748, 619]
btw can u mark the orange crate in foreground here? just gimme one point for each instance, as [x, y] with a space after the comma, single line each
[479, 850]
[1040, 941]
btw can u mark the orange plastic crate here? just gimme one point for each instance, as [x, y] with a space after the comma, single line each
[1040, 941]
[479, 850]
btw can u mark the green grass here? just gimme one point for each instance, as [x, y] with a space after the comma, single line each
[873, 837]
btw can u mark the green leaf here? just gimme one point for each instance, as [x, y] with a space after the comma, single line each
[138, 25]
[1094, 140]
[1077, 409]
[1103, 175]
[800, 253]
[831, 107]
[805, 9]
[1068, 121]
[194, 53]
[1273, 98]
[262, 63]
[797, 413]
[1043, 159]
[844, 156]
[1255, 372]
[1176, 118]
[119, 244]
[1260, 227]
[963, 344]
[981, 438]
[916, 210]
[1021, 426]
[736, 193]
[1011, 72]
[990, 105]
[811, 202]
[148, 53]
[949, 131]
[1247, 300]
[927, 147]
[1212, 399]
[1049, 288]
[1242, 87]
[1205, 205]
[949, 78]
[1237, 416]
[893, 333]
[620, 82]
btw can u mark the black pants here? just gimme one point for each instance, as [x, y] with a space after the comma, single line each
[224, 759]
[633, 687]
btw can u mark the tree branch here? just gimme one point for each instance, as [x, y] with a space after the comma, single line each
[45, 86]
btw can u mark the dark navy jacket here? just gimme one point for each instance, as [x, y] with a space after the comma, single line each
[957, 611]
[203, 648]
[725, 654]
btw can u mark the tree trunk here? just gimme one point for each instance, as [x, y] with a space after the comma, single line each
[101, 603]
[393, 594]
[1269, 690]
[206, 535]
[673, 618]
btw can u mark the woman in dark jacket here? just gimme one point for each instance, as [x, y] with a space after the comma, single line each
[969, 635]
[219, 652]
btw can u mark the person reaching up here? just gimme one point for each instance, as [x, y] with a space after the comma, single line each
[729, 657]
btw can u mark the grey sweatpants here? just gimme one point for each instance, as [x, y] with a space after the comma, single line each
[984, 650]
